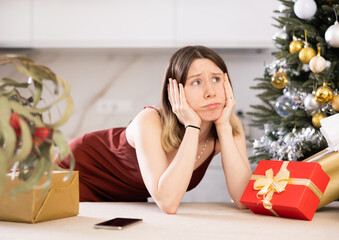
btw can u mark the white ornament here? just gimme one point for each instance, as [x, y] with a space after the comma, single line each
[305, 9]
[305, 67]
[328, 63]
[317, 64]
[332, 35]
[310, 102]
[281, 34]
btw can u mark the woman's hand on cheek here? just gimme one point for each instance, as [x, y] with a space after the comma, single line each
[229, 104]
[185, 114]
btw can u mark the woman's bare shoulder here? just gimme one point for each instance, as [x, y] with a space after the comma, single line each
[147, 115]
[147, 121]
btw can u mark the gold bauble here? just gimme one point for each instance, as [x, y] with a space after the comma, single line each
[279, 79]
[324, 94]
[306, 54]
[296, 45]
[316, 119]
[335, 103]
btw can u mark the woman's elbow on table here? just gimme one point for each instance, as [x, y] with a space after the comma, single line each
[168, 208]
[240, 206]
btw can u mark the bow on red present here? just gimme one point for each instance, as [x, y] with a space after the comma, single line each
[270, 184]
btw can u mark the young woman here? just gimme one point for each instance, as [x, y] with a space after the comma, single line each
[166, 150]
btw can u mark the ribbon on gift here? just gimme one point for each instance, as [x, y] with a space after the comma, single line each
[269, 184]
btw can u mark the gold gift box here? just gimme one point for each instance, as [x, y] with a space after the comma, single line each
[329, 162]
[60, 201]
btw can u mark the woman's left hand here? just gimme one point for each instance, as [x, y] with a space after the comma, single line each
[229, 104]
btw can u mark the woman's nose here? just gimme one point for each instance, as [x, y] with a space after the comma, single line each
[209, 90]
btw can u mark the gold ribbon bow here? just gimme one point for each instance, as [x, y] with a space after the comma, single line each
[270, 184]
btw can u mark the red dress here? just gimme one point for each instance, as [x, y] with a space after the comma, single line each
[109, 170]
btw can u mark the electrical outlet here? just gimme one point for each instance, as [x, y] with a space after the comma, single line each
[114, 106]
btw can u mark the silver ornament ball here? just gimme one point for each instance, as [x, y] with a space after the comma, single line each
[305, 9]
[310, 102]
[332, 35]
[284, 106]
[281, 34]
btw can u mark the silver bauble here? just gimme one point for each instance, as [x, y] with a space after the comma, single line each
[305, 68]
[328, 63]
[310, 102]
[332, 35]
[285, 106]
[281, 34]
[305, 9]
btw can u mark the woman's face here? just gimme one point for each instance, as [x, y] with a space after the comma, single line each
[204, 89]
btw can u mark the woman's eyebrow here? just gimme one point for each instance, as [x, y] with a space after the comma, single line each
[195, 75]
[217, 73]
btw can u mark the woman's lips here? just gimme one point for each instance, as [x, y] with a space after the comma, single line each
[212, 106]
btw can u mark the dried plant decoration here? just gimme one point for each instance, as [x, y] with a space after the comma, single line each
[27, 139]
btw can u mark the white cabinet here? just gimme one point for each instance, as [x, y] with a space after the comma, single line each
[104, 23]
[15, 23]
[229, 23]
[136, 24]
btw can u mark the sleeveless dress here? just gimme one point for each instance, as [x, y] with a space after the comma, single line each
[109, 170]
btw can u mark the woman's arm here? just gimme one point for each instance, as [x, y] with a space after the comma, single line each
[166, 181]
[234, 160]
[233, 148]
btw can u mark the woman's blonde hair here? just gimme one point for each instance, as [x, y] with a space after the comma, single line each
[173, 131]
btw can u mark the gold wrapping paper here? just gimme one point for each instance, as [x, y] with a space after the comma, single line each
[329, 162]
[60, 201]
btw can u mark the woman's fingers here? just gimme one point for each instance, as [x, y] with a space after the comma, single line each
[228, 89]
[180, 107]
[173, 94]
[182, 93]
[170, 91]
[176, 92]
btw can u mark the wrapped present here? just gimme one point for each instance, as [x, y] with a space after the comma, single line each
[330, 130]
[60, 201]
[285, 189]
[329, 161]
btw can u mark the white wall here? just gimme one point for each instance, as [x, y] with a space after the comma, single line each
[129, 79]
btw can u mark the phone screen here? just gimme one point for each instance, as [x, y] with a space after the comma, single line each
[117, 223]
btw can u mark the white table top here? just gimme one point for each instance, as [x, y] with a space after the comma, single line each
[193, 221]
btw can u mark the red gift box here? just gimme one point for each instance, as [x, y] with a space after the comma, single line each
[285, 189]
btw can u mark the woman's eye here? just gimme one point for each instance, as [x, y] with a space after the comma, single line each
[216, 79]
[196, 82]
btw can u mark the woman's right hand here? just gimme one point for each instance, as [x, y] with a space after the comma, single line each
[185, 114]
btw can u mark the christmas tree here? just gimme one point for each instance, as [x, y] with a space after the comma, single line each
[300, 87]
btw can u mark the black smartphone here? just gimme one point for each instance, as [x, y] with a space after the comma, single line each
[117, 223]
